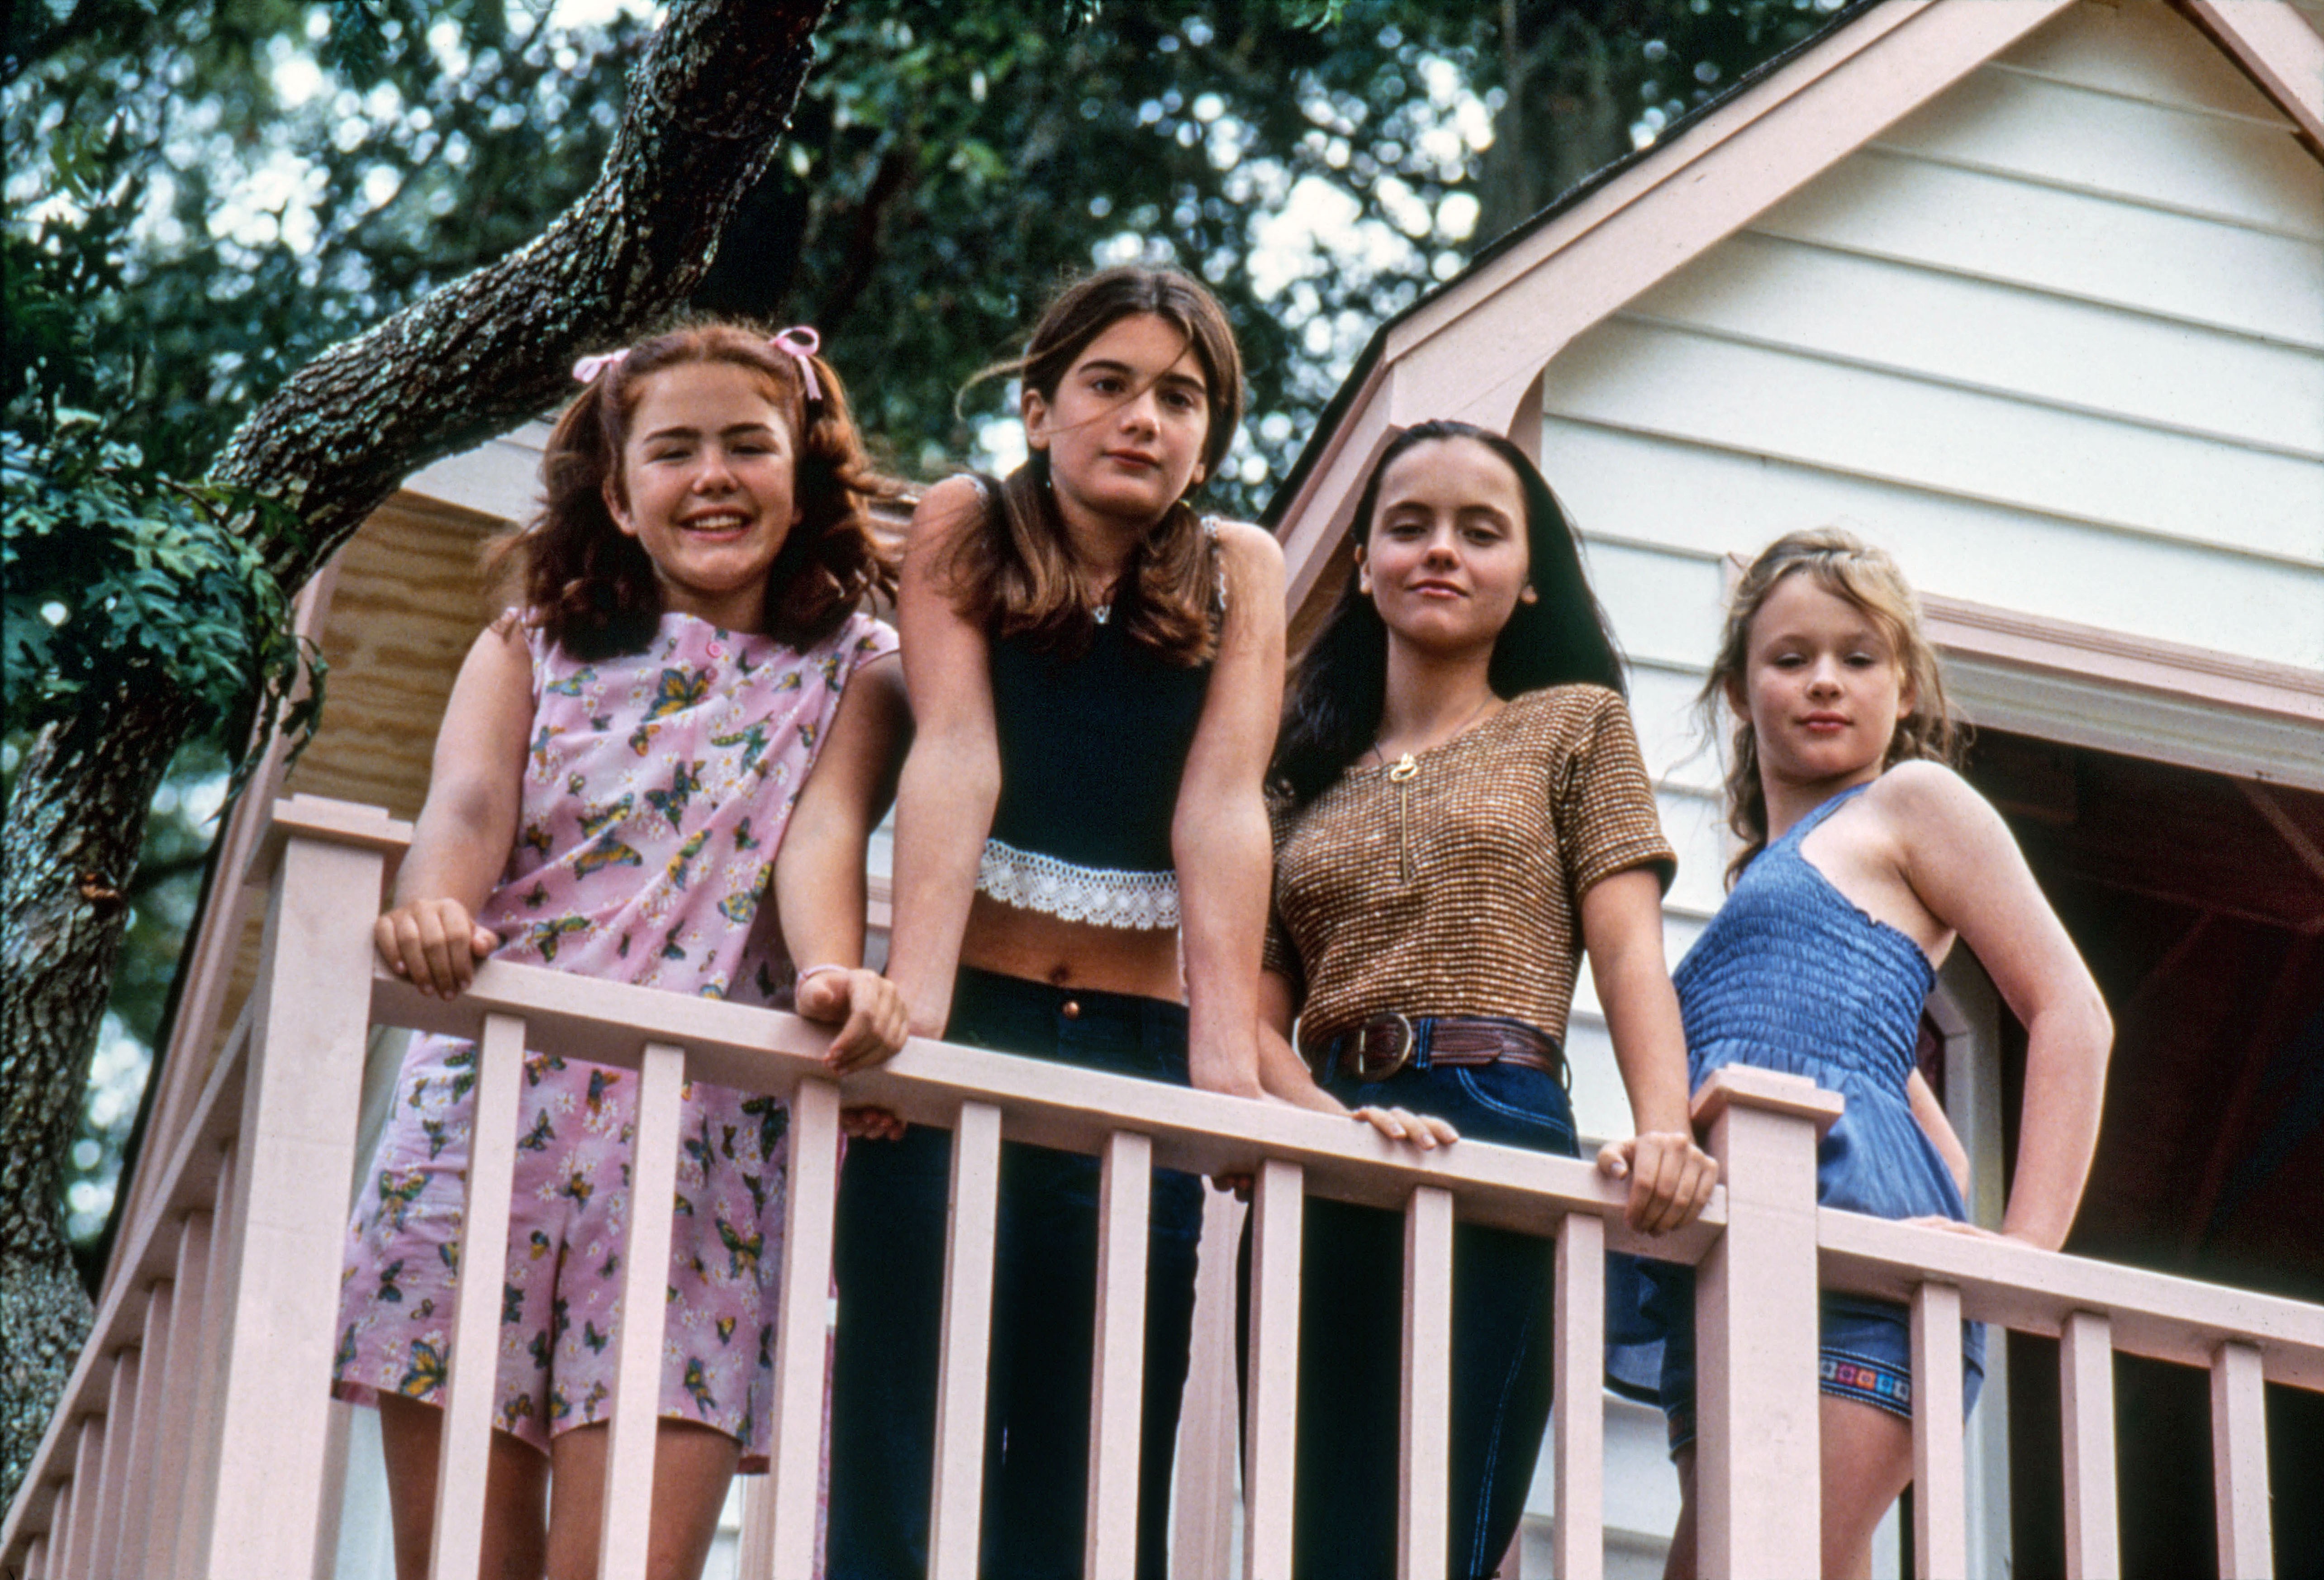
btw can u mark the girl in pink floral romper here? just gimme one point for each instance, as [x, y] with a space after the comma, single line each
[616, 770]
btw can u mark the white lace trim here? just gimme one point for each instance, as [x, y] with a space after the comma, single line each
[1101, 896]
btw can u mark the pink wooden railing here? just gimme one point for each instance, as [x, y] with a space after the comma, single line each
[197, 1438]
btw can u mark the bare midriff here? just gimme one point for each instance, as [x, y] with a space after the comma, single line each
[1012, 941]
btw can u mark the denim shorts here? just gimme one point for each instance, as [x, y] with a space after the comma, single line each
[1865, 1351]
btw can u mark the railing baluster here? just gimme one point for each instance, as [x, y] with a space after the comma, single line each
[2239, 1461]
[208, 1372]
[1118, 1364]
[113, 1482]
[141, 1474]
[957, 1497]
[1425, 1432]
[36, 1559]
[59, 1559]
[1579, 1414]
[458, 1544]
[1210, 1428]
[1270, 1435]
[1939, 1487]
[173, 1446]
[622, 1549]
[781, 1542]
[2086, 1376]
[88, 1499]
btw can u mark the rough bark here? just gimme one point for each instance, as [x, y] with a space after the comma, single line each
[1567, 113]
[707, 108]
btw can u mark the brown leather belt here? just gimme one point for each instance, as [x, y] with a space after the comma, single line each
[1385, 1044]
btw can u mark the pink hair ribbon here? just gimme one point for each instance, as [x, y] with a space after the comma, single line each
[801, 343]
[587, 369]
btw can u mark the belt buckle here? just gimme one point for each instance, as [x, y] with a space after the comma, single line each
[1361, 1065]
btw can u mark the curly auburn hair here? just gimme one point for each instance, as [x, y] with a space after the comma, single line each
[1846, 566]
[590, 586]
[1013, 574]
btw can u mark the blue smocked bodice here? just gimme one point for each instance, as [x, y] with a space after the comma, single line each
[1791, 976]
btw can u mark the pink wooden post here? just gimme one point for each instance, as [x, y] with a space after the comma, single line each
[36, 1559]
[1118, 1366]
[2086, 1374]
[280, 1267]
[1758, 1438]
[152, 1405]
[1577, 1455]
[958, 1496]
[88, 1498]
[465, 1450]
[622, 1543]
[2239, 1461]
[1210, 1425]
[781, 1542]
[1270, 1435]
[1940, 1486]
[1425, 1431]
[58, 1560]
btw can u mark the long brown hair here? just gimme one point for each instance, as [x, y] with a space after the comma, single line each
[1013, 574]
[589, 584]
[1846, 566]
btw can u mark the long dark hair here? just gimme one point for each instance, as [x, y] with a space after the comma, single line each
[1013, 575]
[1340, 685]
[591, 587]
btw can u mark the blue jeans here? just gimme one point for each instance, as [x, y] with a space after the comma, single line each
[889, 1263]
[1345, 1493]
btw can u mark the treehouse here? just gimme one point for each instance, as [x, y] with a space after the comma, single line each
[2030, 292]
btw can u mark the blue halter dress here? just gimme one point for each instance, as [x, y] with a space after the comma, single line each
[1792, 976]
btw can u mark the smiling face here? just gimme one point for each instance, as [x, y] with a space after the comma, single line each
[1822, 687]
[1124, 430]
[1445, 560]
[706, 488]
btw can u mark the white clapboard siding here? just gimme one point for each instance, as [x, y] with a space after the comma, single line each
[2097, 249]
[1666, 606]
[2240, 171]
[1670, 735]
[1700, 499]
[1923, 434]
[2144, 52]
[1979, 334]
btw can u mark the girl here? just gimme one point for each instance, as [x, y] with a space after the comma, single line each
[614, 775]
[1462, 811]
[1094, 674]
[1864, 858]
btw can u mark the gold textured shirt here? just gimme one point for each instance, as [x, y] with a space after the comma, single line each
[1458, 890]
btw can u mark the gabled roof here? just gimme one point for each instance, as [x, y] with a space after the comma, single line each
[1475, 348]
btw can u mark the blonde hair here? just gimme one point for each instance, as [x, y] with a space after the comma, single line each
[1846, 566]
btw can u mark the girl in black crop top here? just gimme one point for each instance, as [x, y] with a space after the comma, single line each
[1094, 674]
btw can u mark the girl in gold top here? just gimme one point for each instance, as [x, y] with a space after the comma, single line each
[1462, 811]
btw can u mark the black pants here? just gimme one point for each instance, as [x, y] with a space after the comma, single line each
[889, 1261]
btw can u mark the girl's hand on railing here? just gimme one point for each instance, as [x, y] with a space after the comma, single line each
[871, 1125]
[1424, 1131]
[875, 1020]
[1670, 1178]
[434, 943]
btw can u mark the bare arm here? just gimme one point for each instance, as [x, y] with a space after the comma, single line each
[1622, 929]
[951, 776]
[1218, 835]
[1930, 1114]
[819, 887]
[467, 826]
[1962, 862]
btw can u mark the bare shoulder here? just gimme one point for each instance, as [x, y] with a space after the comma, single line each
[501, 650]
[1249, 550]
[946, 508]
[1927, 805]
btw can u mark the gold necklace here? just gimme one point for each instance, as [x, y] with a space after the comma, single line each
[1404, 770]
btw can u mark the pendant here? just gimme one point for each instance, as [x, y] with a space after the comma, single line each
[1405, 769]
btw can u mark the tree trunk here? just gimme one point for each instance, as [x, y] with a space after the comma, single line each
[1570, 99]
[706, 108]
